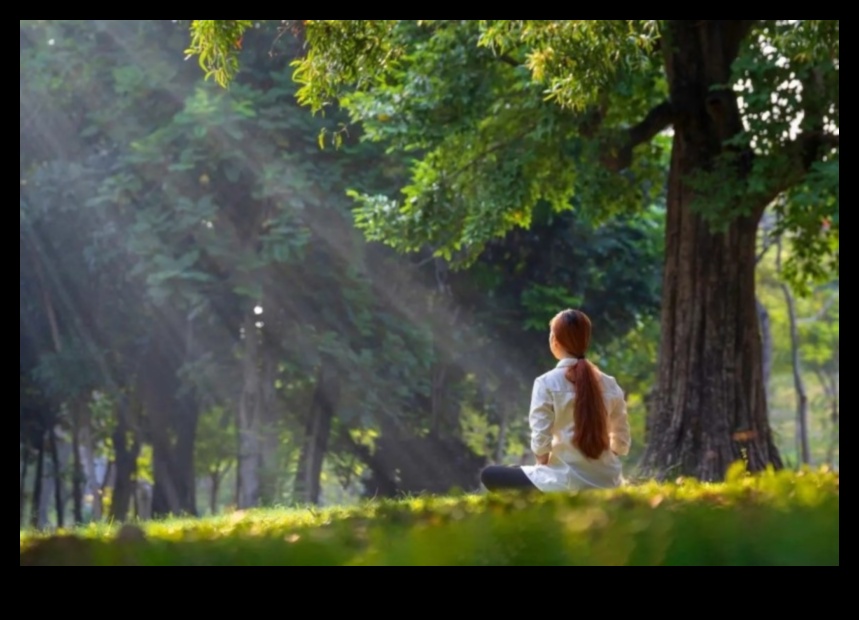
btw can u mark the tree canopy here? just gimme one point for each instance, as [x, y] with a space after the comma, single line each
[500, 116]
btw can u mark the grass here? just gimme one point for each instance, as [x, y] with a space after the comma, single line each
[776, 518]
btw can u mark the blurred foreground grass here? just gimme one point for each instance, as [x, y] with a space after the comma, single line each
[776, 518]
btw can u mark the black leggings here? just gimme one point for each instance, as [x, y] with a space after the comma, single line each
[500, 478]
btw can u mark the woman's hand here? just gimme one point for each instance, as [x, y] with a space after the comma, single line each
[542, 459]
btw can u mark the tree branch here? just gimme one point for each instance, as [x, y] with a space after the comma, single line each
[617, 155]
[801, 154]
[819, 314]
[767, 244]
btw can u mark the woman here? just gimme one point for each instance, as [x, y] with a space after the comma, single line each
[578, 419]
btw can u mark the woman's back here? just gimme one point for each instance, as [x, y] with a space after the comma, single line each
[552, 426]
[578, 419]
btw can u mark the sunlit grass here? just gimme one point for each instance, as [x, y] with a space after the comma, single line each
[782, 518]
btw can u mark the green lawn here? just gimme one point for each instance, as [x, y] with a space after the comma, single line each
[780, 518]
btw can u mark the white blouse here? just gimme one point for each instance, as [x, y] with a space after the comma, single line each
[551, 421]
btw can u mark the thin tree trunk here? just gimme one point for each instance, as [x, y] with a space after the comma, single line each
[37, 484]
[135, 504]
[171, 420]
[93, 484]
[216, 485]
[78, 477]
[833, 438]
[709, 406]
[184, 473]
[25, 461]
[105, 483]
[58, 477]
[316, 436]
[829, 383]
[166, 498]
[796, 364]
[250, 442]
[270, 471]
[798, 382]
[766, 345]
[126, 461]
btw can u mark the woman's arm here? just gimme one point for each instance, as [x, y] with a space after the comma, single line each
[541, 418]
[618, 421]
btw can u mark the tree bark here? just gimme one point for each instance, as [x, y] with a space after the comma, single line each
[25, 461]
[106, 482]
[798, 382]
[58, 477]
[709, 405]
[766, 345]
[166, 497]
[184, 473]
[37, 484]
[270, 470]
[213, 497]
[796, 365]
[829, 381]
[381, 482]
[249, 422]
[437, 401]
[78, 477]
[93, 484]
[125, 457]
[172, 420]
[316, 435]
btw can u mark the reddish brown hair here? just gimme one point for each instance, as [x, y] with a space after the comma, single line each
[572, 330]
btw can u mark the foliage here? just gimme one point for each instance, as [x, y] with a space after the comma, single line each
[818, 329]
[214, 446]
[773, 519]
[217, 59]
[502, 114]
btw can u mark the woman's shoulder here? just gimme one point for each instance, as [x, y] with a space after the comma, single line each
[555, 380]
[610, 385]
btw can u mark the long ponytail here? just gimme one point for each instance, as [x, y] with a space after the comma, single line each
[590, 418]
[572, 330]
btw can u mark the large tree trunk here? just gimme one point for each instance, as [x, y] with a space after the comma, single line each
[710, 405]
[316, 434]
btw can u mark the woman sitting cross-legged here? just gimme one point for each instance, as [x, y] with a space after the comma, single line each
[578, 419]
